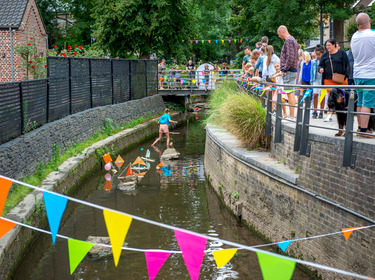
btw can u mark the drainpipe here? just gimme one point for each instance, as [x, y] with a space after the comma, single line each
[11, 52]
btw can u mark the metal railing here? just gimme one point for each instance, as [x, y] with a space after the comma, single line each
[302, 121]
[72, 85]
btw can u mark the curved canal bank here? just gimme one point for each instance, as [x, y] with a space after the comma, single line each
[64, 180]
[268, 196]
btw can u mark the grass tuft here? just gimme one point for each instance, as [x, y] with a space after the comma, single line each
[240, 114]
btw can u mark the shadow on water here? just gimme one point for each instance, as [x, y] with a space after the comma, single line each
[181, 199]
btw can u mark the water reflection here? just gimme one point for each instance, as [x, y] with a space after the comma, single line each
[177, 196]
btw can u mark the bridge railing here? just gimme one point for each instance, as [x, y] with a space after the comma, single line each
[302, 121]
[72, 85]
[197, 80]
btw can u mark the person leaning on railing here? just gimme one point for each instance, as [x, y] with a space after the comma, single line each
[334, 61]
[363, 49]
[161, 72]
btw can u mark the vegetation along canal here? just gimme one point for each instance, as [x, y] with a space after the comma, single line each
[181, 199]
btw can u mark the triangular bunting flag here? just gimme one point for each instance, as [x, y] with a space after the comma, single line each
[229, 40]
[155, 261]
[209, 41]
[192, 248]
[222, 257]
[55, 207]
[275, 268]
[107, 158]
[235, 40]
[4, 190]
[216, 41]
[77, 251]
[348, 231]
[183, 41]
[247, 40]
[117, 227]
[196, 41]
[182, 81]
[204, 81]
[119, 161]
[191, 41]
[284, 244]
[5, 227]
[241, 41]
[202, 41]
[222, 41]
[323, 93]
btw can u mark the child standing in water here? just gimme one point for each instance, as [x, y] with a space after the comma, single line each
[163, 126]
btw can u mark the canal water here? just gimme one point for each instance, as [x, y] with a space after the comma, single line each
[182, 199]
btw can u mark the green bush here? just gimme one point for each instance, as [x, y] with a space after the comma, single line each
[240, 114]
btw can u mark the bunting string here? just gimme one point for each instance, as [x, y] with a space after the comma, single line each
[188, 232]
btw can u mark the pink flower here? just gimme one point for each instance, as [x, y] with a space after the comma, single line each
[29, 44]
[31, 38]
[45, 66]
[69, 46]
[32, 66]
[76, 45]
[55, 46]
[80, 47]
[30, 61]
[74, 53]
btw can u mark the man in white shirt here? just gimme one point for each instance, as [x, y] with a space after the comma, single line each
[363, 49]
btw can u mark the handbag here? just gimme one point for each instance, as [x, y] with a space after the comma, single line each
[336, 77]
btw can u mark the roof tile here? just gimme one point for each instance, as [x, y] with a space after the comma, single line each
[11, 12]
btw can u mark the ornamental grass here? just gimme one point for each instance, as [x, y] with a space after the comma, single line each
[240, 114]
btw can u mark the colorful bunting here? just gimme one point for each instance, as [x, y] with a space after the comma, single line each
[5, 227]
[107, 158]
[191, 41]
[222, 257]
[182, 81]
[247, 40]
[209, 41]
[202, 41]
[229, 40]
[204, 81]
[192, 248]
[4, 190]
[235, 40]
[274, 267]
[77, 251]
[55, 207]
[284, 244]
[305, 95]
[117, 227]
[216, 41]
[196, 41]
[348, 231]
[222, 41]
[119, 161]
[155, 261]
[323, 93]
[241, 41]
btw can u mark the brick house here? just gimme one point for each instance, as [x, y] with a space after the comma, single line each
[24, 19]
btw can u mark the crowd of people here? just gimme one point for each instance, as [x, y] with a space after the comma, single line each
[327, 65]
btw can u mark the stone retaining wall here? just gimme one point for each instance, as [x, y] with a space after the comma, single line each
[282, 208]
[21, 156]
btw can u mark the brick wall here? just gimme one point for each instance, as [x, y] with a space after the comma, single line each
[31, 26]
[281, 212]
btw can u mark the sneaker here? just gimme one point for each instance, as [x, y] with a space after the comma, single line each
[314, 115]
[291, 119]
[328, 118]
[320, 115]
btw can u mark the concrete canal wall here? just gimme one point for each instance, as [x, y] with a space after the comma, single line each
[81, 126]
[282, 202]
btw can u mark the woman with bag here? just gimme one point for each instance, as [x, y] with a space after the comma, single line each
[334, 66]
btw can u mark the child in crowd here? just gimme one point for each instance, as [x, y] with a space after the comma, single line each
[225, 69]
[306, 69]
[215, 74]
[278, 78]
[206, 73]
[177, 77]
[163, 126]
[269, 63]
[170, 77]
[316, 79]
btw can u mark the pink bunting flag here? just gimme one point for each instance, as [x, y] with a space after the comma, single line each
[155, 261]
[196, 41]
[229, 40]
[192, 248]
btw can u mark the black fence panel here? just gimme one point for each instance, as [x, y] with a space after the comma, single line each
[152, 77]
[101, 82]
[59, 96]
[138, 79]
[10, 111]
[34, 101]
[80, 84]
[121, 85]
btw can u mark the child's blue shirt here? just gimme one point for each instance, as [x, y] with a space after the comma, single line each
[164, 119]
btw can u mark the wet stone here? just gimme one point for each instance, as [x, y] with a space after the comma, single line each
[170, 153]
[98, 252]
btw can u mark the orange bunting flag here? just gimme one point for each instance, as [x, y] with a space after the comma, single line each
[209, 41]
[222, 257]
[107, 158]
[4, 190]
[117, 227]
[130, 171]
[119, 161]
[241, 41]
[348, 231]
[5, 227]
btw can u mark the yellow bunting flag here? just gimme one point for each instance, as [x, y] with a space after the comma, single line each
[348, 231]
[5, 227]
[222, 257]
[107, 158]
[4, 190]
[193, 81]
[117, 227]
[77, 251]
[323, 93]
[222, 41]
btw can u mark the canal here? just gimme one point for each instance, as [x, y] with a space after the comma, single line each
[181, 199]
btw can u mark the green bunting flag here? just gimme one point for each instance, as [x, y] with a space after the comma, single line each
[275, 268]
[202, 41]
[77, 251]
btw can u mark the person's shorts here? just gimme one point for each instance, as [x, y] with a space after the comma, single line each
[317, 83]
[290, 78]
[163, 128]
[366, 97]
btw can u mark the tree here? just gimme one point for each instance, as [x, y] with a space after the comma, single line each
[126, 27]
